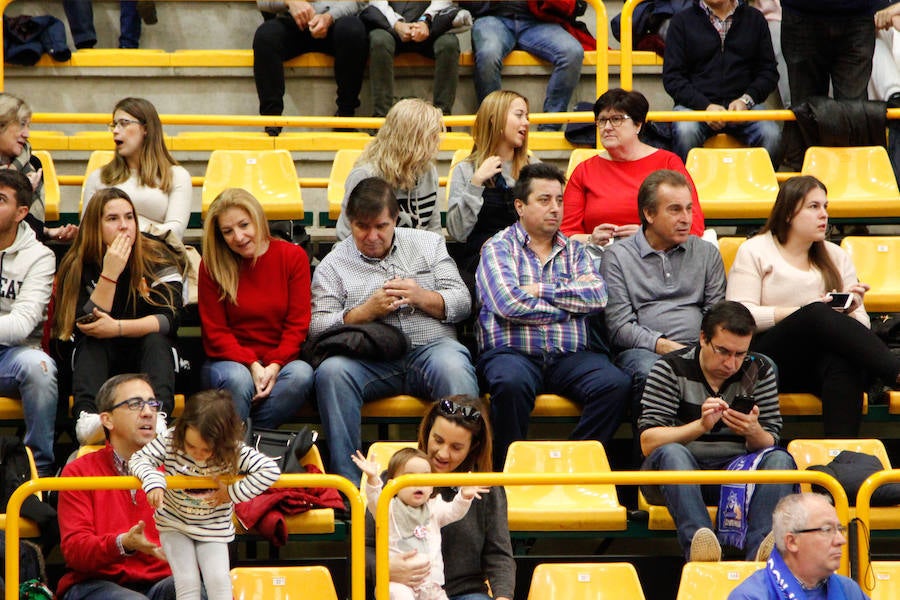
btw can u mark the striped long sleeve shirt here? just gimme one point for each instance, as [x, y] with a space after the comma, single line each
[549, 322]
[188, 511]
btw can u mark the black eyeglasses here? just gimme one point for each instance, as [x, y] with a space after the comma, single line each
[826, 530]
[449, 408]
[614, 120]
[138, 404]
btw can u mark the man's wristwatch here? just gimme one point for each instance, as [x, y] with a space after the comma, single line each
[746, 99]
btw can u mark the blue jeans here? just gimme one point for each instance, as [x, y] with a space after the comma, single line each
[471, 597]
[493, 38]
[29, 374]
[692, 134]
[100, 589]
[687, 503]
[636, 362]
[435, 370]
[80, 15]
[515, 379]
[290, 392]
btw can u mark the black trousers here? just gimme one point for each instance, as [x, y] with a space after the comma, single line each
[279, 39]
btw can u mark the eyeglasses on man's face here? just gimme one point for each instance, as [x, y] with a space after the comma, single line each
[826, 530]
[726, 353]
[136, 404]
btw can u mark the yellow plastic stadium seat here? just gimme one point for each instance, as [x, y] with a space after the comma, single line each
[723, 140]
[877, 261]
[561, 507]
[456, 140]
[97, 159]
[733, 183]
[48, 140]
[340, 168]
[395, 406]
[282, 583]
[27, 527]
[578, 156]
[11, 409]
[886, 575]
[821, 452]
[551, 405]
[381, 452]
[585, 581]
[82, 450]
[800, 405]
[199, 141]
[321, 141]
[659, 518]
[702, 580]
[270, 175]
[51, 186]
[860, 180]
[728, 247]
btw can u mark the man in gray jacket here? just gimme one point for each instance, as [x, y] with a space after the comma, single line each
[300, 27]
[26, 279]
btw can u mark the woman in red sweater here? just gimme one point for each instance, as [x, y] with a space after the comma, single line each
[255, 309]
[600, 201]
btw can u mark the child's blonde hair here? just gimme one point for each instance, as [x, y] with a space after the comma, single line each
[213, 415]
[401, 457]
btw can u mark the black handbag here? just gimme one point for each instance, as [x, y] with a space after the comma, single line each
[285, 446]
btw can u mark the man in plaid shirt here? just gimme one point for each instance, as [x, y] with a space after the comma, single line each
[536, 290]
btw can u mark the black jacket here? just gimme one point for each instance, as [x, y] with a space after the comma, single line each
[700, 70]
[26, 38]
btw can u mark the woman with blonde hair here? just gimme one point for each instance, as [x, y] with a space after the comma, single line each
[143, 167]
[119, 293]
[15, 153]
[403, 154]
[254, 304]
[481, 202]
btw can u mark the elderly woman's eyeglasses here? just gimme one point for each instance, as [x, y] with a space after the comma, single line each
[615, 120]
[826, 530]
[138, 404]
[449, 408]
[122, 123]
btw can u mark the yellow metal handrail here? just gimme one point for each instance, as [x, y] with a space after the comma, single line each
[626, 66]
[864, 514]
[13, 508]
[382, 559]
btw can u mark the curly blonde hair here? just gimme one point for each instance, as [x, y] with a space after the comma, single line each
[407, 144]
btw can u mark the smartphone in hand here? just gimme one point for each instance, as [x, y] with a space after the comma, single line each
[85, 319]
[840, 300]
[743, 403]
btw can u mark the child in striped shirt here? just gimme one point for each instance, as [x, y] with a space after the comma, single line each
[195, 525]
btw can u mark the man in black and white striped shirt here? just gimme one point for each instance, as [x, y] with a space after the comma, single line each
[704, 406]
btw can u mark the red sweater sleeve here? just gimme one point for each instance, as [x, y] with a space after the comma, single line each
[574, 199]
[219, 342]
[697, 224]
[296, 322]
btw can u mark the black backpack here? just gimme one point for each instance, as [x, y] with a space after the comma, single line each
[16, 470]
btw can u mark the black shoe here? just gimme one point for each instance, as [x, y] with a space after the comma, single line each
[147, 11]
[344, 129]
[273, 131]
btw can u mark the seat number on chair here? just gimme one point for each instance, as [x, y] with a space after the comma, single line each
[555, 454]
[584, 578]
[278, 581]
[251, 160]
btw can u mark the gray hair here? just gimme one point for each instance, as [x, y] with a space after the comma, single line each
[791, 514]
[12, 109]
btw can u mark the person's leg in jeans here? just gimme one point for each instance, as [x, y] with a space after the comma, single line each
[603, 390]
[765, 497]
[156, 359]
[30, 374]
[439, 369]
[554, 44]
[759, 134]
[109, 590]
[129, 24]
[349, 44]
[852, 66]
[234, 377]
[513, 381]
[214, 565]
[80, 15]
[685, 502]
[382, 49]
[689, 134]
[291, 391]
[492, 41]
[182, 557]
[445, 51]
[342, 385]
[274, 42]
[164, 589]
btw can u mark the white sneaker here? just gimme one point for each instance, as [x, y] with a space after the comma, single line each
[705, 546]
[161, 425]
[88, 428]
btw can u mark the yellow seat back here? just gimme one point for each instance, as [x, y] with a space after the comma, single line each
[733, 183]
[702, 580]
[860, 180]
[578, 156]
[585, 581]
[51, 185]
[97, 159]
[728, 247]
[561, 507]
[340, 168]
[381, 452]
[282, 583]
[808, 452]
[877, 262]
[270, 175]
[886, 575]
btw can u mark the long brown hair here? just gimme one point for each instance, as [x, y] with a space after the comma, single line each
[155, 165]
[147, 255]
[490, 121]
[480, 451]
[212, 414]
[788, 202]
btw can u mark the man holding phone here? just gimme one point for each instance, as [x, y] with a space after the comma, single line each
[714, 405]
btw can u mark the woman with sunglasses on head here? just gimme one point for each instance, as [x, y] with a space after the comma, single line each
[119, 295]
[455, 434]
[600, 201]
[786, 276]
[143, 168]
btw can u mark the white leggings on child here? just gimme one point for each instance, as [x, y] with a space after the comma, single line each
[188, 559]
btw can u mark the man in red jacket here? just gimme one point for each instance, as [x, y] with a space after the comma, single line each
[109, 539]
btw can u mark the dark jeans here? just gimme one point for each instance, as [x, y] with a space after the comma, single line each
[820, 351]
[819, 50]
[80, 15]
[515, 379]
[98, 359]
[279, 39]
